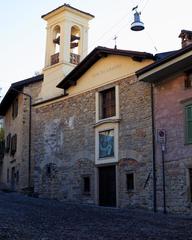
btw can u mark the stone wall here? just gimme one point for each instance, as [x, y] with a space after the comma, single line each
[135, 143]
[64, 138]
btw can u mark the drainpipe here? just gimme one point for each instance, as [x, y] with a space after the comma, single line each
[154, 156]
[163, 174]
[29, 149]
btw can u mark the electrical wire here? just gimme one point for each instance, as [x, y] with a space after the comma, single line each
[106, 32]
[149, 36]
[112, 27]
[145, 5]
[116, 33]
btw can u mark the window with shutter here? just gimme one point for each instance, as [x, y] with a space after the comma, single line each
[7, 175]
[188, 124]
[13, 144]
[8, 142]
[190, 183]
[188, 80]
[107, 103]
[17, 176]
[15, 108]
[2, 149]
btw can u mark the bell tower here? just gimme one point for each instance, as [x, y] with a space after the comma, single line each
[66, 46]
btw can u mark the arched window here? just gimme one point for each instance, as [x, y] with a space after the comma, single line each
[56, 43]
[74, 45]
[56, 38]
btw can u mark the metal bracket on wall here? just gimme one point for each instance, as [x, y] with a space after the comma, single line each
[147, 180]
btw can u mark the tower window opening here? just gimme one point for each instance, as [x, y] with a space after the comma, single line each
[56, 45]
[75, 45]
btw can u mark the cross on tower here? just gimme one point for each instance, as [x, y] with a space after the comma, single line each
[115, 39]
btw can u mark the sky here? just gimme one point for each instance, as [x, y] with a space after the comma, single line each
[23, 34]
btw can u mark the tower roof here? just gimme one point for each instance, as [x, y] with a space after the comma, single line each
[65, 7]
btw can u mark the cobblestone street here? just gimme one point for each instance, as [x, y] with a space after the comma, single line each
[26, 218]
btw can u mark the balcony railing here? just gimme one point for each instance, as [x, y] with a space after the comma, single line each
[74, 58]
[54, 58]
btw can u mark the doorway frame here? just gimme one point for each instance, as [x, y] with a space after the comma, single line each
[97, 182]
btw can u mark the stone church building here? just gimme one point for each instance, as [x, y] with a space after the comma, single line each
[90, 142]
[88, 134]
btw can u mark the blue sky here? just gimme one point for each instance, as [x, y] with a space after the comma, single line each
[22, 42]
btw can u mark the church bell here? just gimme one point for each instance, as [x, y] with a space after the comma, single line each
[137, 25]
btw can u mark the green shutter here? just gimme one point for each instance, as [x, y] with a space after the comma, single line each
[188, 122]
[190, 181]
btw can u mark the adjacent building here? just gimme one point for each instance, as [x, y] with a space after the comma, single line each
[171, 80]
[16, 167]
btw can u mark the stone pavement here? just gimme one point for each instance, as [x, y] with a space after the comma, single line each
[26, 218]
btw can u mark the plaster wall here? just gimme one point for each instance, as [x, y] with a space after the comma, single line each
[65, 18]
[170, 98]
[13, 126]
[19, 126]
[105, 71]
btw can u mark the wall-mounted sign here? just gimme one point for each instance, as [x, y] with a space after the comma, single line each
[161, 136]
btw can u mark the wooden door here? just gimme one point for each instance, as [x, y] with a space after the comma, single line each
[107, 186]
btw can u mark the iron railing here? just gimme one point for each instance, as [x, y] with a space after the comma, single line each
[74, 58]
[54, 58]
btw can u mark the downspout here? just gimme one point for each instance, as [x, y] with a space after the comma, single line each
[29, 164]
[154, 155]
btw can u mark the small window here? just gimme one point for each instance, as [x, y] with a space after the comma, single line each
[130, 181]
[8, 143]
[188, 80]
[86, 185]
[13, 144]
[48, 170]
[107, 103]
[188, 123]
[7, 175]
[17, 176]
[15, 108]
[190, 183]
[2, 149]
[106, 143]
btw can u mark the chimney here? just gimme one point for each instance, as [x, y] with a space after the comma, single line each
[186, 38]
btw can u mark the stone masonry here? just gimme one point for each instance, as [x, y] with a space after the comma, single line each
[64, 146]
